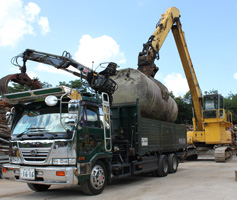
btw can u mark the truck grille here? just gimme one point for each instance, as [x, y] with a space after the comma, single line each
[35, 155]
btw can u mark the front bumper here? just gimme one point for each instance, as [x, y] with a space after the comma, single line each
[43, 175]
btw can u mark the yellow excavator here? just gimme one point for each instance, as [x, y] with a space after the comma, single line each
[210, 120]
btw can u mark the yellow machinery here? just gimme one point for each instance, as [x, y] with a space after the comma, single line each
[210, 122]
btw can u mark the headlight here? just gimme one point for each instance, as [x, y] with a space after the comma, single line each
[15, 160]
[72, 161]
[64, 161]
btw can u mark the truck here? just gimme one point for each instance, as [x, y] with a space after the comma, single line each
[211, 122]
[63, 136]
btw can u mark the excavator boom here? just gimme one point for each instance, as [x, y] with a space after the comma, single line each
[171, 20]
[190, 74]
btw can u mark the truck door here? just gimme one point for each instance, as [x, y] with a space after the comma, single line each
[90, 134]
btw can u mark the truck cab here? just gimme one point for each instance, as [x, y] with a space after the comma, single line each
[56, 135]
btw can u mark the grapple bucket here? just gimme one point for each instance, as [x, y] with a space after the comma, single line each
[21, 78]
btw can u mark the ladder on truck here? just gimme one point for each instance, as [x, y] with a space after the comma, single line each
[106, 122]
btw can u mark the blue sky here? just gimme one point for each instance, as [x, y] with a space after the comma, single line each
[104, 30]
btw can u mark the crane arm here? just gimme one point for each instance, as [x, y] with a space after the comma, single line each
[171, 20]
[100, 82]
[190, 74]
[151, 49]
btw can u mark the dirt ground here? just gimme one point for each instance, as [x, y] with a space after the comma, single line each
[202, 179]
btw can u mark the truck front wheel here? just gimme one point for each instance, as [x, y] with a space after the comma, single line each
[97, 180]
[38, 187]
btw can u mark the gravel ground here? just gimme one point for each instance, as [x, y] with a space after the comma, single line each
[202, 179]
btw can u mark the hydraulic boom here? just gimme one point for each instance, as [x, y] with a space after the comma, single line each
[210, 121]
[100, 82]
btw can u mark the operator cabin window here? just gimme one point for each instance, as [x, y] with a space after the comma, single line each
[89, 117]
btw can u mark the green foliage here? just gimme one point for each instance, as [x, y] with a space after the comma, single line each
[211, 92]
[230, 104]
[184, 108]
[16, 87]
[45, 84]
[76, 84]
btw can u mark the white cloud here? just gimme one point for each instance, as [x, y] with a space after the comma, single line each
[235, 75]
[32, 10]
[100, 49]
[17, 21]
[32, 75]
[44, 24]
[50, 69]
[176, 83]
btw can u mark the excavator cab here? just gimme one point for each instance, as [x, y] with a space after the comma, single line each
[214, 108]
[212, 104]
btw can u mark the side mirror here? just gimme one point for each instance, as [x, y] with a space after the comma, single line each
[9, 118]
[73, 108]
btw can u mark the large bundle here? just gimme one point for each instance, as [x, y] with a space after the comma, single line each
[154, 99]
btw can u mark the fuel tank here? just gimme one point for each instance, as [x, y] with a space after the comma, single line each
[154, 99]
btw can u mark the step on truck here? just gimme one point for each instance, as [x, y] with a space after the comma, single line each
[62, 136]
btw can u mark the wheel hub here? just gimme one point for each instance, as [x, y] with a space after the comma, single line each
[97, 177]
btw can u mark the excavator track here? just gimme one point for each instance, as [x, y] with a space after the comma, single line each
[223, 154]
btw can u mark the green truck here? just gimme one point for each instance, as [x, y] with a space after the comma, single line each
[62, 136]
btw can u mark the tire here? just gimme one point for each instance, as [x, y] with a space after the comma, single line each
[163, 167]
[173, 163]
[38, 187]
[97, 180]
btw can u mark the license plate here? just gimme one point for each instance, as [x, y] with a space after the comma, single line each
[27, 173]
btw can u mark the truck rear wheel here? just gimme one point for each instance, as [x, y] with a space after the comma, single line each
[162, 167]
[97, 180]
[38, 187]
[173, 163]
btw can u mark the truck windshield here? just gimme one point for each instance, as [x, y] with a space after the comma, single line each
[40, 120]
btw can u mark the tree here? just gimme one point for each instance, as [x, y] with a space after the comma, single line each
[76, 84]
[230, 104]
[16, 87]
[184, 108]
[211, 92]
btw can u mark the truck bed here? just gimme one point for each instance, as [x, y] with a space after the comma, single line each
[154, 135]
[144, 134]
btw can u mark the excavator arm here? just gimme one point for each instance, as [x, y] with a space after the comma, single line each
[151, 49]
[171, 20]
